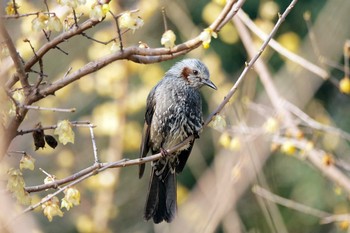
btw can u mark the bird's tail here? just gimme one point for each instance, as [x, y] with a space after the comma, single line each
[161, 200]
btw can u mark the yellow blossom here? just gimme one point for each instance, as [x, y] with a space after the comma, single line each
[54, 23]
[11, 8]
[99, 11]
[15, 180]
[218, 122]
[225, 140]
[344, 85]
[127, 20]
[168, 39]
[206, 35]
[65, 132]
[115, 47]
[271, 125]
[288, 148]
[27, 162]
[15, 185]
[72, 197]
[344, 225]
[51, 208]
[39, 23]
[235, 144]
[49, 179]
[327, 159]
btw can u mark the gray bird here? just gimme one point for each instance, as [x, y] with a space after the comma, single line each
[173, 113]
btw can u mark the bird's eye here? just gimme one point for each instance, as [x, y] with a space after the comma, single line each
[195, 72]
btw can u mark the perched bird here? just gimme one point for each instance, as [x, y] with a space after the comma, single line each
[173, 113]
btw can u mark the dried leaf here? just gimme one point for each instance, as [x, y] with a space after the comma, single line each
[38, 136]
[51, 141]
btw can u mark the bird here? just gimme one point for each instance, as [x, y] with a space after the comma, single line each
[173, 113]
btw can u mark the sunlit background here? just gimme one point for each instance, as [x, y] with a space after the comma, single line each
[114, 99]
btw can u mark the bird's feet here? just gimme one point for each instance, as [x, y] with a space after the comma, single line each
[164, 152]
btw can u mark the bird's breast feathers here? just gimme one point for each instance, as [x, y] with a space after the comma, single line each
[177, 116]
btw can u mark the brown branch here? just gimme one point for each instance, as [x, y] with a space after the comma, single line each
[74, 123]
[126, 162]
[250, 64]
[17, 60]
[315, 157]
[98, 167]
[53, 44]
[282, 50]
[139, 55]
[136, 54]
[261, 192]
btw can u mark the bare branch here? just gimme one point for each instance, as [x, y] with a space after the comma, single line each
[126, 162]
[17, 60]
[52, 44]
[48, 109]
[261, 192]
[283, 51]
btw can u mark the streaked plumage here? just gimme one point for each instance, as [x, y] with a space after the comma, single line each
[173, 112]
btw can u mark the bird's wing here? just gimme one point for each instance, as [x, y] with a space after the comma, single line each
[183, 156]
[145, 144]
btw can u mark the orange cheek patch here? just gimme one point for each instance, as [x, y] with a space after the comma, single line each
[186, 72]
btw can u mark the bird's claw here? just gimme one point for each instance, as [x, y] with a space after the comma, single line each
[164, 153]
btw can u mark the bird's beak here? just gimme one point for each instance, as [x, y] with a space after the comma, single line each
[210, 84]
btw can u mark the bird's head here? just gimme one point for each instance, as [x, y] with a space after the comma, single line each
[193, 72]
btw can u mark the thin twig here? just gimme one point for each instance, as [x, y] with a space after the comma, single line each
[261, 192]
[41, 65]
[73, 123]
[118, 30]
[280, 49]
[124, 163]
[164, 19]
[312, 123]
[17, 60]
[315, 157]
[48, 109]
[346, 58]
[250, 64]
[94, 147]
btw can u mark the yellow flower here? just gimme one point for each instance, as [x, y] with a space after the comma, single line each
[327, 159]
[225, 140]
[127, 20]
[206, 35]
[98, 11]
[288, 148]
[115, 47]
[54, 23]
[51, 208]
[15, 181]
[235, 144]
[39, 23]
[27, 162]
[10, 8]
[344, 85]
[218, 122]
[49, 179]
[72, 197]
[15, 185]
[271, 125]
[168, 39]
[65, 132]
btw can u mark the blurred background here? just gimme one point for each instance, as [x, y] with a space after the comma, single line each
[236, 153]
